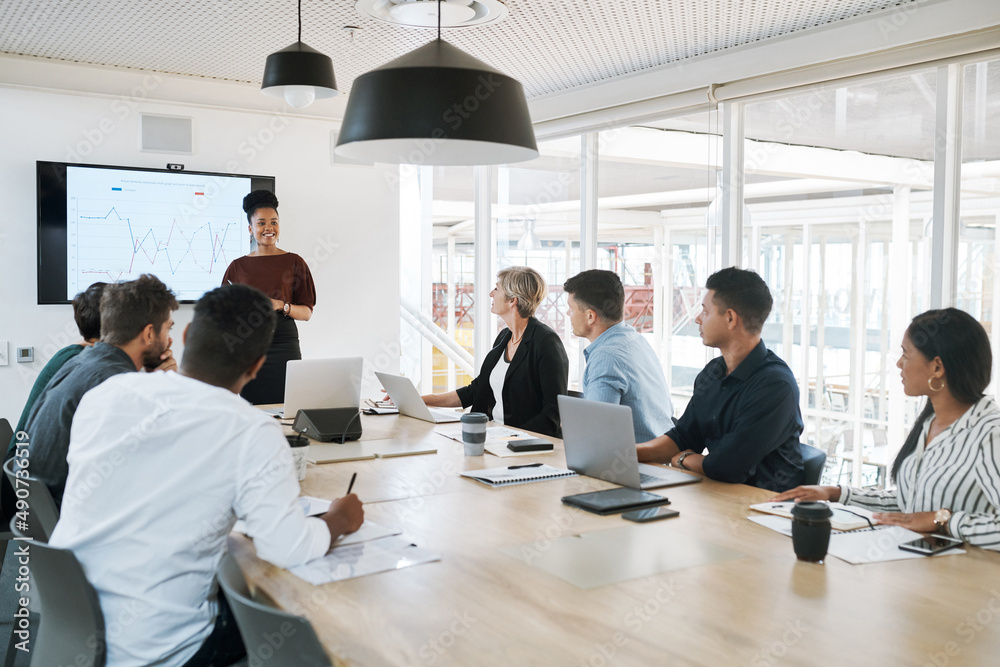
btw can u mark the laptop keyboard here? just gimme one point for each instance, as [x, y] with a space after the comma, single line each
[648, 479]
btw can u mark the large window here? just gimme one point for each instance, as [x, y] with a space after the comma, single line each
[536, 209]
[978, 262]
[839, 199]
[436, 284]
[655, 184]
[838, 194]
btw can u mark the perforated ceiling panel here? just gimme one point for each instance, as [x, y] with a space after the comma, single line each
[549, 45]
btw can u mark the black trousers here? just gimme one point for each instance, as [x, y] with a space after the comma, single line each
[269, 385]
[224, 646]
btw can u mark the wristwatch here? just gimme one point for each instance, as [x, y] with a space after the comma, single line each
[287, 308]
[941, 519]
[680, 459]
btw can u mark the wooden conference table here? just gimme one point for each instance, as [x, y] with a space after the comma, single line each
[481, 606]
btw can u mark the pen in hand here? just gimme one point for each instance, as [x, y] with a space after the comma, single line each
[526, 465]
[351, 485]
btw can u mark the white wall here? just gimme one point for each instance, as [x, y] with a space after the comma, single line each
[342, 219]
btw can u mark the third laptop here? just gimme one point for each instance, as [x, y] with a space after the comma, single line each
[407, 399]
[600, 442]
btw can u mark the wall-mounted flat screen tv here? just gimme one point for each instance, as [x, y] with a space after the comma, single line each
[101, 223]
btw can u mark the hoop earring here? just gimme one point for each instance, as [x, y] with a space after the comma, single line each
[930, 383]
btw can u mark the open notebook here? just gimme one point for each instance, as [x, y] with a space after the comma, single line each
[844, 518]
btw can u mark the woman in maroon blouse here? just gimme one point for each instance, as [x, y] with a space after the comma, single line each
[284, 277]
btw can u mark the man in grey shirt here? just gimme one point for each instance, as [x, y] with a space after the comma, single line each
[621, 365]
[136, 318]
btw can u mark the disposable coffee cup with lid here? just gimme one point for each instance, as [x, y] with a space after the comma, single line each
[474, 433]
[811, 530]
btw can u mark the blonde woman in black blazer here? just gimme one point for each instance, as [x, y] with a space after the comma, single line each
[533, 367]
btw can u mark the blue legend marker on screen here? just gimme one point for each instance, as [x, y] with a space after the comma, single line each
[116, 189]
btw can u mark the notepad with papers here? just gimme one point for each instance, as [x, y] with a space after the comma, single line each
[507, 476]
[866, 545]
[349, 561]
[844, 518]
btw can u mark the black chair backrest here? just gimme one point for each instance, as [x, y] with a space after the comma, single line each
[259, 624]
[6, 434]
[574, 394]
[813, 460]
[42, 513]
[71, 627]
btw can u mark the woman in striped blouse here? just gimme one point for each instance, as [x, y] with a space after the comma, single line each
[948, 471]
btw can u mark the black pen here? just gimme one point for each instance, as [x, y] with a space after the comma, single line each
[526, 465]
[351, 485]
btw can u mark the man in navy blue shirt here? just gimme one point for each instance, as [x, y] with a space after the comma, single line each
[745, 406]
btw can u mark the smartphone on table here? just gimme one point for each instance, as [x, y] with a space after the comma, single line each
[932, 544]
[651, 514]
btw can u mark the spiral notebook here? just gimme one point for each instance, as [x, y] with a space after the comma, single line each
[509, 475]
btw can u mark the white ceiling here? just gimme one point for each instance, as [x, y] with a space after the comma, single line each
[549, 45]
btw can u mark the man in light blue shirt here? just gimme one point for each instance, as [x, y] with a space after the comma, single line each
[621, 365]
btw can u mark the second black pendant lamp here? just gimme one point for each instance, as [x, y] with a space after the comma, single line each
[437, 105]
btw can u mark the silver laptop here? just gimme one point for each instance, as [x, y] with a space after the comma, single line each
[321, 383]
[407, 399]
[600, 442]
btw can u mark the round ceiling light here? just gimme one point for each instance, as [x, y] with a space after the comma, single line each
[424, 13]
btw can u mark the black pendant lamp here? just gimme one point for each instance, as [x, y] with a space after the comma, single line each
[437, 105]
[299, 73]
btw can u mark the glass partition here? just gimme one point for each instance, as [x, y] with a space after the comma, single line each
[978, 260]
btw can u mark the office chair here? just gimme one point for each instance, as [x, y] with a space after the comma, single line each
[813, 459]
[258, 621]
[42, 511]
[71, 626]
[6, 434]
[574, 394]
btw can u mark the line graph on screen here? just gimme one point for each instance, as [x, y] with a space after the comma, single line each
[187, 249]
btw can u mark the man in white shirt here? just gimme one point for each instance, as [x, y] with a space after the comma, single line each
[160, 468]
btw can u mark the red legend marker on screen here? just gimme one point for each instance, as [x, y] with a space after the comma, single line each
[199, 193]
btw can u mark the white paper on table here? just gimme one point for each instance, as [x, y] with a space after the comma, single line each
[368, 531]
[877, 545]
[454, 431]
[778, 524]
[359, 560]
[314, 506]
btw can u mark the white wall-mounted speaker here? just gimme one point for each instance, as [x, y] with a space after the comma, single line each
[165, 134]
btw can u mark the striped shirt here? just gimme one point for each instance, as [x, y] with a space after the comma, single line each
[959, 470]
